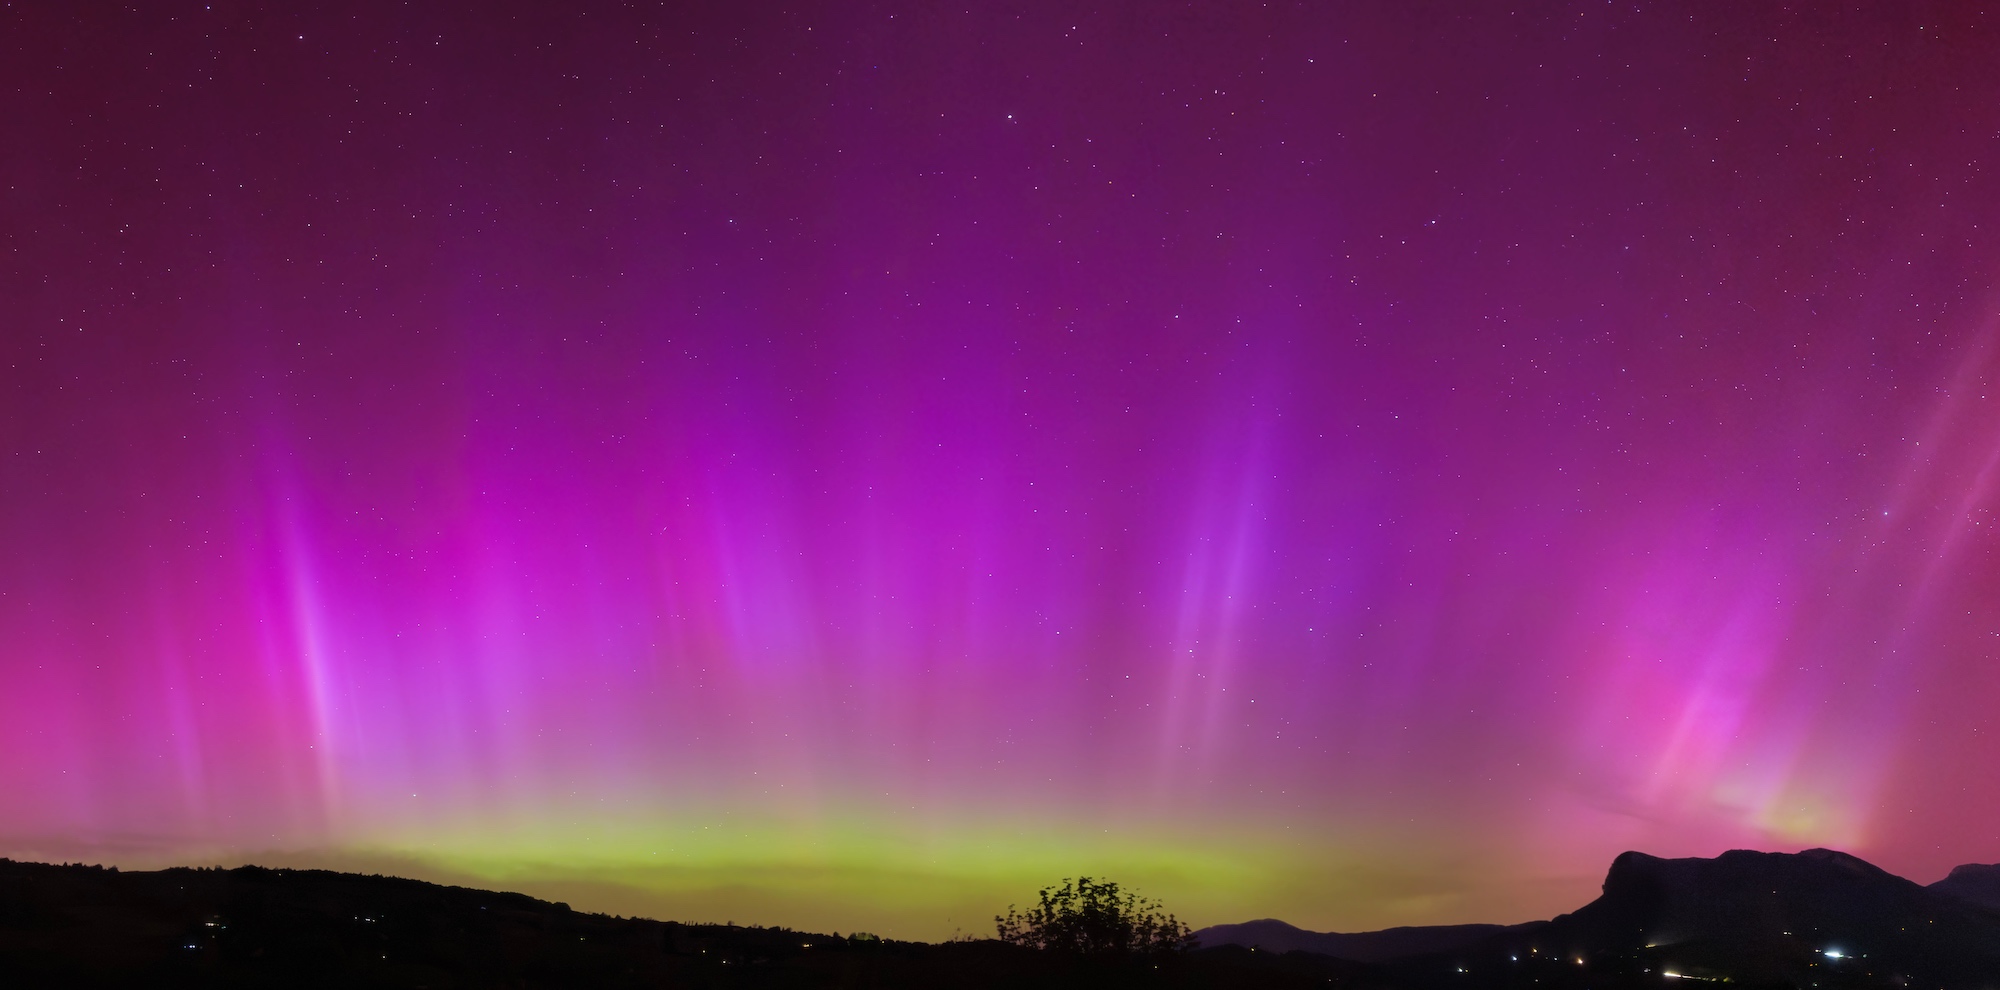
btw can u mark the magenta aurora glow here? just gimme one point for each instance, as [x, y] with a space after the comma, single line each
[846, 467]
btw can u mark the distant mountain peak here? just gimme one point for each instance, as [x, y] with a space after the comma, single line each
[1272, 935]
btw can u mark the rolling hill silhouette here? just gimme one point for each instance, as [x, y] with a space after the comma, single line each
[1273, 935]
[79, 926]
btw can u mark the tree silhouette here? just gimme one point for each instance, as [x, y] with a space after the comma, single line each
[1091, 917]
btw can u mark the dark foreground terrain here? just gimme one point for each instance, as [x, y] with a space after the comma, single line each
[1817, 919]
[81, 926]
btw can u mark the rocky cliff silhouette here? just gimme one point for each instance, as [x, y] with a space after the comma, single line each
[1818, 918]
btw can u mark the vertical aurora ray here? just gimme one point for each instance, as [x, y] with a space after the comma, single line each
[1303, 463]
[304, 619]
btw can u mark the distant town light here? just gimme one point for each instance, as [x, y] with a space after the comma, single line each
[1835, 954]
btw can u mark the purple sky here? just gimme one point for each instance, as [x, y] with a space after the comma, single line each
[849, 466]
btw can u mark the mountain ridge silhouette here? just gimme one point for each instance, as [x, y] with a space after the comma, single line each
[1380, 945]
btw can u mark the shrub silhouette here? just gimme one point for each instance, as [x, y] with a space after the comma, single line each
[1094, 918]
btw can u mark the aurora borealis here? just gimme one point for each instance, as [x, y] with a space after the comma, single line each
[848, 466]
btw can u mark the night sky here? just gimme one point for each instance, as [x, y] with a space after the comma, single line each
[848, 466]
